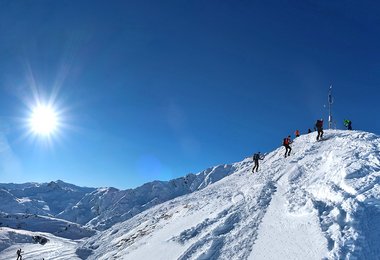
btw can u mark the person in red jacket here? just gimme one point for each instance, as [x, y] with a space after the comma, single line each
[297, 133]
[287, 141]
[319, 127]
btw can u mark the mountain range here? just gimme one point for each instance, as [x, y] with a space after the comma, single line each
[322, 202]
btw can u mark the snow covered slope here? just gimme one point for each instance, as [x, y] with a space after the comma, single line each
[57, 227]
[106, 206]
[321, 202]
[12, 204]
[51, 247]
[47, 199]
[103, 207]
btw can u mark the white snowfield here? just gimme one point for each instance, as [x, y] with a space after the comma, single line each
[55, 248]
[57, 227]
[322, 202]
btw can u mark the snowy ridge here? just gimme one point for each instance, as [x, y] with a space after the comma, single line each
[322, 202]
[46, 199]
[12, 204]
[105, 207]
[57, 227]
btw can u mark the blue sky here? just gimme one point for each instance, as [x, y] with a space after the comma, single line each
[158, 89]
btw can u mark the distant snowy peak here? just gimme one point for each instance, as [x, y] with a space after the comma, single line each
[47, 199]
[106, 206]
[33, 186]
[102, 207]
[72, 187]
[16, 186]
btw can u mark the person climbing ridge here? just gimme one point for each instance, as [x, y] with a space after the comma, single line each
[287, 141]
[19, 254]
[319, 127]
[347, 123]
[297, 133]
[309, 131]
[256, 157]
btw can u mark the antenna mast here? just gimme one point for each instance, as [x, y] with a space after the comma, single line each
[331, 101]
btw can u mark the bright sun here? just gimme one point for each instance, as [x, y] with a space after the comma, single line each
[44, 120]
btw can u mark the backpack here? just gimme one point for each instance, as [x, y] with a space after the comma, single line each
[286, 141]
[256, 156]
[319, 123]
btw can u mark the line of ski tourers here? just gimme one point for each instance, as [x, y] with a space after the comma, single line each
[287, 141]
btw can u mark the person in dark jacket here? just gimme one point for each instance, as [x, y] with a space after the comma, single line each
[287, 141]
[18, 252]
[319, 127]
[347, 123]
[256, 157]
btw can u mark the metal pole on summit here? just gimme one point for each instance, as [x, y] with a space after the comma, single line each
[330, 100]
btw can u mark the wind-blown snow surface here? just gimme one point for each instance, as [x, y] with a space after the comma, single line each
[321, 202]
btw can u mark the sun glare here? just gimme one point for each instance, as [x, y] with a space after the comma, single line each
[44, 120]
